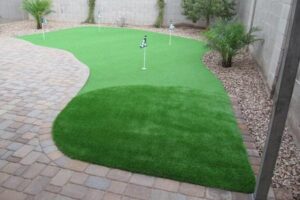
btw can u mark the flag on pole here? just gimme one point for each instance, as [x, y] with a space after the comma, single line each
[144, 45]
[172, 27]
[144, 42]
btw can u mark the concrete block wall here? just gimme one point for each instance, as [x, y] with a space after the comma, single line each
[272, 17]
[294, 114]
[12, 10]
[135, 12]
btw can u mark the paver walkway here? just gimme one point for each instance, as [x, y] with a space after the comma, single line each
[35, 84]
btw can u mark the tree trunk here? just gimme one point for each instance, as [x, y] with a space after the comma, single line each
[38, 23]
[227, 62]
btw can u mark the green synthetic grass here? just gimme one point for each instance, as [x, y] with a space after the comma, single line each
[173, 120]
[115, 59]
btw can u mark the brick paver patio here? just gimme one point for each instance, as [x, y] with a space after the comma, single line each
[35, 84]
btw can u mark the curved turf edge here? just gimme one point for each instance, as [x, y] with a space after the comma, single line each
[114, 60]
[167, 132]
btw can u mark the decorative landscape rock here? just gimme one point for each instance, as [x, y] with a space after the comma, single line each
[244, 82]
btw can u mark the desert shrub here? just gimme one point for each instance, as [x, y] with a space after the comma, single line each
[208, 9]
[227, 9]
[38, 9]
[161, 11]
[228, 37]
[200, 9]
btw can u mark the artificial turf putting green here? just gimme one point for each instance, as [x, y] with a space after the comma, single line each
[173, 120]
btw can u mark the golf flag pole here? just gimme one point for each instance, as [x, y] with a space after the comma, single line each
[144, 67]
[44, 23]
[99, 17]
[171, 29]
[144, 47]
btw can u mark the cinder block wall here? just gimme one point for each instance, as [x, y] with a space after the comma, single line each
[11, 10]
[272, 17]
[135, 12]
[294, 115]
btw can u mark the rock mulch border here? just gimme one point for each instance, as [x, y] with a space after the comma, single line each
[245, 85]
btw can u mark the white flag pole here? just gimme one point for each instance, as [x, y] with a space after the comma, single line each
[44, 37]
[171, 28]
[144, 68]
[144, 47]
[99, 17]
[170, 37]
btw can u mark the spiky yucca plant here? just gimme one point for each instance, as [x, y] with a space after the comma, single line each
[228, 37]
[38, 9]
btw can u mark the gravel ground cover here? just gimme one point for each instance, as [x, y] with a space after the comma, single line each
[243, 81]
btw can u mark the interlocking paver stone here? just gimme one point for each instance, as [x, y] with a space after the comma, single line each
[97, 170]
[61, 177]
[50, 171]
[164, 195]
[192, 190]
[53, 188]
[216, 194]
[30, 158]
[13, 159]
[45, 196]
[78, 178]
[23, 185]
[166, 184]
[21, 170]
[111, 196]
[119, 175]
[37, 185]
[23, 151]
[3, 163]
[3, 177]
[13, 182]
[12, 195]
[140, 179]
[76, 165]
[10, 168]
[14, 146]
[139, 192]
[117, 187]
[97, 182]
[34, 170]
[94, 194]
[61, 197]
[74, 191]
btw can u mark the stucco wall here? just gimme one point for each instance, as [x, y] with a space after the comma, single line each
[272, 17]
[11, 10]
